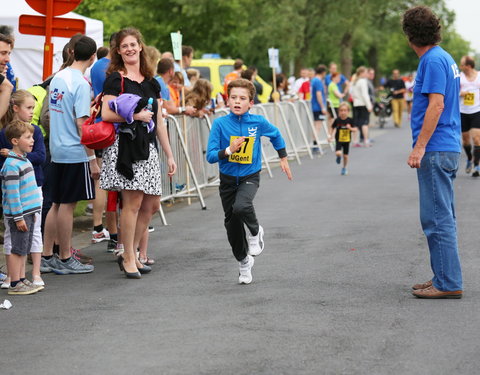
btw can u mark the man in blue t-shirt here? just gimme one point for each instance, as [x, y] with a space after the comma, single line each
[344, 83]
[319, 100]
[73, 165]
[435, 122]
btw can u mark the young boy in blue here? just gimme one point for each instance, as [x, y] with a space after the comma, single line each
[235, 144]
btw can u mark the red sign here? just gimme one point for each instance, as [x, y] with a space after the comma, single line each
[62, 27]
[59, 6]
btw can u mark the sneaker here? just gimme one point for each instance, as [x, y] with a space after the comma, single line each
[344, 172]
[21, 289]
[38, 281]
[433, 293]
[151, 229]
[245, 270]
[5, 284]
[118, 250]
[338, 159]
[48, 265]
[89, 210]
[468, 168]
[476, 171]
[32, 285]
[112, 245]
[72, 266]
[357, 145]
[3, 276]
[78, 255]
[256, 243]
[100, 236]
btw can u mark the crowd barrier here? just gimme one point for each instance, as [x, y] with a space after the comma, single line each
[189, 138]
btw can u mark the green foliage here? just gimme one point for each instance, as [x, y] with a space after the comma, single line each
[307, 32]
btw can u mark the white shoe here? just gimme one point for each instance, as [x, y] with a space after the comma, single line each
[100, 236]
[245, 269]
[255, 243]
[5, 284]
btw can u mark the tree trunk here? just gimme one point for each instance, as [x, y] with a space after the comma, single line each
[372, 58]
[346, 54]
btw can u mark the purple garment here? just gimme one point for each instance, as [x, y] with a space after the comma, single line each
[124, 105]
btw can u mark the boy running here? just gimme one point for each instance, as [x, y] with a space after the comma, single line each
[235, 144]
[342, 128]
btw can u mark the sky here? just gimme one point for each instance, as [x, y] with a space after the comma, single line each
[466, 20]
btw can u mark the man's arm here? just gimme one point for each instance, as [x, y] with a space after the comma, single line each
[320, 101]
[5, 91]
[432, 115]
[94, 168]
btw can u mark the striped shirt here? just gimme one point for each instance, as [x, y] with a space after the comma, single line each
[20, 193]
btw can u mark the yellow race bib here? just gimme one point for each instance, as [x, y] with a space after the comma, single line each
[344, 135]
[469, 98]
[245, 154]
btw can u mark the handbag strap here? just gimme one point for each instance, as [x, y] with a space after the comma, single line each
[98, 100]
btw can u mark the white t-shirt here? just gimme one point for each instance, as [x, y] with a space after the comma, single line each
[470, 103]
[69, 99]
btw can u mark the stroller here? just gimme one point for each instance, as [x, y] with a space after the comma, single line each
[383, 107]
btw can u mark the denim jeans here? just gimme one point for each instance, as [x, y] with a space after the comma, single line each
[437, 216]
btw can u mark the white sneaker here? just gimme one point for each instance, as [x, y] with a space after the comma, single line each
[255, 243]
[245, 269]
[100, 236]
[5, 284]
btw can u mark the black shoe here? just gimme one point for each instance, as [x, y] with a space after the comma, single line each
[111, 246]
[476, 172]
[145, 269]
[129, 275]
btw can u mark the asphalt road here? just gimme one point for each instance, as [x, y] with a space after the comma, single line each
[331, 292]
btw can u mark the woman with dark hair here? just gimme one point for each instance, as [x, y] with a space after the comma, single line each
[200, 96]
[131, 165]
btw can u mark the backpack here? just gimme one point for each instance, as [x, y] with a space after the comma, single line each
[41, 115]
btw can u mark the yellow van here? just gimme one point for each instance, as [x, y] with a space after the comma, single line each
[215, 71]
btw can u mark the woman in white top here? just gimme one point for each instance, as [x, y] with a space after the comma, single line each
[470, 113]
[362, 105]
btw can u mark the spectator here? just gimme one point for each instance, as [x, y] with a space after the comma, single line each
[168, 55]
[73, 166]
[237, 70]
[249, 74]
[8, 32]
[187, 57]
[6, 45]
[299, 82]
[200, 97]
[397, 86]
[343, 83]
[131, 165]
[304, 91]
[362, 105]
[193, 75]
[153, 56]
[102, 52]
[319, 100]
[282, 89]
[165, 71]
[258, 85]
[334, 95]
[175, 87]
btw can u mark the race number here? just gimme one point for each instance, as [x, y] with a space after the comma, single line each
[343, 135]
[469, 98]
[245, 154]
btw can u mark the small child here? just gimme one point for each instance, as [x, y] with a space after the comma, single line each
[21, 199]
[22, 104]
[342, 131]
[235, 143]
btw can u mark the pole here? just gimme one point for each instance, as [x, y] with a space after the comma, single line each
[185, 130]
[48, 46]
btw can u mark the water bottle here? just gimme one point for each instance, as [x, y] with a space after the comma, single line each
[149, 107]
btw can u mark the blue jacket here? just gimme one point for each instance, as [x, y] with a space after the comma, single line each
[36, 157]
[246, 125]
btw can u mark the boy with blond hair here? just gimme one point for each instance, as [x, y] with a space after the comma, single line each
[21, 199]
[235, 143]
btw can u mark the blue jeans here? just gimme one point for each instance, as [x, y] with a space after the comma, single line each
[437, 215]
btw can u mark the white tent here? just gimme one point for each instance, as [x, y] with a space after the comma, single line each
[27, 56]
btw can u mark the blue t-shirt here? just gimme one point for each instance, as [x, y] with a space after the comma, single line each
[316, 84]
[437, 73]
[164, 91]
[69, 99]
[97, 75]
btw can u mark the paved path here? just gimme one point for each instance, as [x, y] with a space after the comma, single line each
[330, 293]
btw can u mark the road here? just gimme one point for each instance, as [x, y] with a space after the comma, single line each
[331, 292]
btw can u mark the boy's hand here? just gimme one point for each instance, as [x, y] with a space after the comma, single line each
[236, 144]
[285, 167]
[21, 225]
[4, 152]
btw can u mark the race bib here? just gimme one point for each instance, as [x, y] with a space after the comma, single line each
[343, 135]
[469, 98]
[245, 154]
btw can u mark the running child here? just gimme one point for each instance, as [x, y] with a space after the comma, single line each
[22, 104]
[235, 144]
[22, 200]
[342, 129]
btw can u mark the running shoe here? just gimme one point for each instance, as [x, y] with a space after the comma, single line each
[48, 265]
[357, 145]
[103, 235]
[344, 172]
[338, 159]
[151, 229]
[476, 171]
[78, 255]
[72, 266]
[112, 245]
[21, 289]
[468, 168]
[245, 270]
[256, 243]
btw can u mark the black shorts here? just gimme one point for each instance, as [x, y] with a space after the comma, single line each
[361, 116]
[345, 146]
[470, 121]
[71, 182]
[333, 111]
[318, 116]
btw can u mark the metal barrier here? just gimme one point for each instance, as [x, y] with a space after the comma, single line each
[189, 139]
